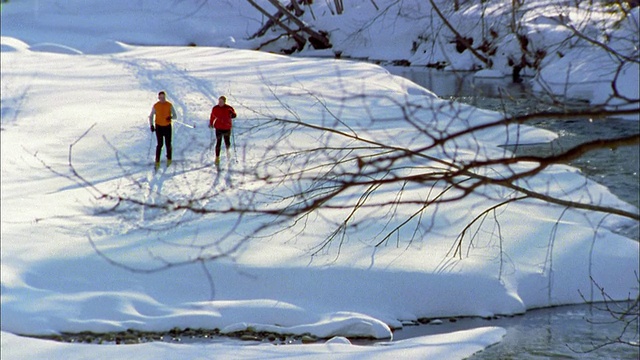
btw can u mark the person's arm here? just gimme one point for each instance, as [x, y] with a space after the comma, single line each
[232, 112]
[173, 112]
[151, 115]
[212, 118]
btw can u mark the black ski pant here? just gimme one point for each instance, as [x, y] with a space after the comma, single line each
[163, 132]
[220, 134]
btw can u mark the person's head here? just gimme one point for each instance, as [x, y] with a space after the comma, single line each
[162, 96]
[222, 100]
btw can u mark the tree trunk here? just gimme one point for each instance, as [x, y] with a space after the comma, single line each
[459, 38]
[318, 40]
[296, 8]
[263, 30]
[301, 41]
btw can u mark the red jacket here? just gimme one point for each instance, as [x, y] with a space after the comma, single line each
[221, 117]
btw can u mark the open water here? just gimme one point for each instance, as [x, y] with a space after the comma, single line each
[566, 332]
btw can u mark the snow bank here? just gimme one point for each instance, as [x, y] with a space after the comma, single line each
[113, 300]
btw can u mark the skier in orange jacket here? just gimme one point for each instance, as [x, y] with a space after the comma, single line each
[163, 112]
[220, 119]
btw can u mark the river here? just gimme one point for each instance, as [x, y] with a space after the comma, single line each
[567, 332]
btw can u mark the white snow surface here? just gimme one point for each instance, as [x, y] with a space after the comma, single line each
[87, 72]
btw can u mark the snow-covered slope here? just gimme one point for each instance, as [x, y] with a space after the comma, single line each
[63, 85]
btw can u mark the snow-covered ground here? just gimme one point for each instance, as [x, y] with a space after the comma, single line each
[87, 72]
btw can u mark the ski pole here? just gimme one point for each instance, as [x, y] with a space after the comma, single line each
[187, 125]
[210, 139]
[233, 140]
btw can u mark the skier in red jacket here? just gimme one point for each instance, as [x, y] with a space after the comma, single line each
[220, 119]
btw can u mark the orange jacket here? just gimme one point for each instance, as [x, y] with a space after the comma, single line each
[221, 117]
[163, 112]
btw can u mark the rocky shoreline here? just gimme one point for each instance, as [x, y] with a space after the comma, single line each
[188, 335]
[177, 335]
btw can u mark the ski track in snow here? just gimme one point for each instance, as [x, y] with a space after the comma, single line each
[10, 108]
[180, 85]
[186, 92]
[178, 183]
